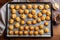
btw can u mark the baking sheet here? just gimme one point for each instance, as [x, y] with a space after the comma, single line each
[38, 3]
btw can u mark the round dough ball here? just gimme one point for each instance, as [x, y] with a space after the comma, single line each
[34, 16]
[42, 18]
[11, 21]
[44, 11]
[25, 32]
[11, 32]
[29, 15]
[31, 28]
[21, 28]
[35, 32]
[46, 30]
[12, 6]
[39, 14]
[23, 16]
[26, 27]
[13, 11]
[17, 7]
[11, 27]
[17, 25]
[36, 28]
[17, 19]
[23, 7]
[38, 20]
[29, 22]
[40, 7]
[22, 22]
[26, 11]
[34, 22]
[20, 32]
[33, 12]
[47, 6]
[31, 32]
[35, 6]
[41, 26]
[16, 32]
[29, 6]
[47, 18]
[21, 11]
[41, 32]
[13, 16]
[46, 23]
[48, 13]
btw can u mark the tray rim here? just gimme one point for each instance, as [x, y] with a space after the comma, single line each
[28, 3]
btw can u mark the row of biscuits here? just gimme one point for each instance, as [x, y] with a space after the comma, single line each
[40, 32]
[29, 6]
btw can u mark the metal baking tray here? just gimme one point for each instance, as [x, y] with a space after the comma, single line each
[8, 13]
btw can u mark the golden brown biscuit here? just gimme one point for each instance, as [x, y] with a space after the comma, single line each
[35, 32]
[13, 16]
[23, 7]
[13, 11]
[29, 22]
[17, 7]
[38, 20]
[48, 13]
[17, 19]
[42, 18]
[11, 21]
[47, 6]
[46, 30]
[36, 28]
[23, 16]
[21, 28]
[34, 16]
[33, 12]
[40, 7]
[34, 22]
[44, 11]
[21, 11]
[25, 32]
[16, 32]
[11, 27]
[26, 11]
[47, 18]
[29, 6]
[17, 25]
[41, 26]
[46, 23]
[22, 22]
[41, 32]
[26, 27]
[31, 32]
[11, 32]
[31, 28]
[20, 32]
[39, 14]
[12, 6]
[29, 15]
[34, 6]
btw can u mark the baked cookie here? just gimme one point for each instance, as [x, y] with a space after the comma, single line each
[29, 6]
[31, 32]
[41, 26]
[35, 32]
[11, 21]
[40, 7]
[39, 14]
[17, 25]
[41, 32]
[29, 15]
[34, 22]
[13, 16]
[34, 6]
[17, 19]
[31, 28]
[21, 11]
[23, 7]
[11, 32]
[16, 32]
[13, 11]
[29, 22]
[33, 12]
[26, 11]
[12, 6]
[42, 18]
[34, 16]
[36, 28]
[22, 22]
[17, 7]
[48, 13]
[11, 27]
[44, 11]
[46, 30]
[21, 28]
[46, 23]
[20, 32]
[47, 18]
[25, 32]
[38, 20]
[47, 6]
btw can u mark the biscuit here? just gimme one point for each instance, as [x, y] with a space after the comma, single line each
[11, 21]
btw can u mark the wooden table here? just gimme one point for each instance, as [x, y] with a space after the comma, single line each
[56, 33]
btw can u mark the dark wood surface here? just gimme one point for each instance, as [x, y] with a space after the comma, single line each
[56, 31]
